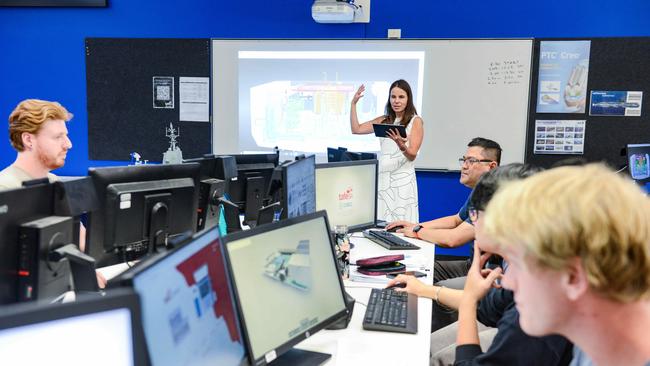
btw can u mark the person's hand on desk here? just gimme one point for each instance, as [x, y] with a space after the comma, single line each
[402, 223]
[413, 285]
[408, 232]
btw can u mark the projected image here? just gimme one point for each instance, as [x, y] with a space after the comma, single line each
[301, 100]
[284, 113]
[291, 266]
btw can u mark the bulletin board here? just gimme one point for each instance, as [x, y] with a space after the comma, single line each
[136, 88]
[616, 66]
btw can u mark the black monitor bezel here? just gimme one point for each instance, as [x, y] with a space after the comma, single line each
[102, 177]
[285, 186]
[39, 312]
[288, 345]
[257, 158]
[125, 279]
[339, 164]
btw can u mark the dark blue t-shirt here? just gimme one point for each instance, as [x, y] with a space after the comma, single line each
[464, 211]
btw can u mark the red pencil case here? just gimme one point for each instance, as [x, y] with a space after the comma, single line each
[379, 266]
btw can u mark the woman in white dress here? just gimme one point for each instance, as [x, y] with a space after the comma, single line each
[397, 188]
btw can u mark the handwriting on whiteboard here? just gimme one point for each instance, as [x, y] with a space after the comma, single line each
[505, 72]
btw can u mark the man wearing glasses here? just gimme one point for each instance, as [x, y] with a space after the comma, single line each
[482, 155]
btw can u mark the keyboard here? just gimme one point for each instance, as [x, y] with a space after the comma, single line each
[391, 311]
[388, 240]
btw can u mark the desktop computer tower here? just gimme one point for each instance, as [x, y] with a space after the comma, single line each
[38, 276]
[210, 190]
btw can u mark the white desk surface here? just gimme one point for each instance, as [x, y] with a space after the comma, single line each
[356, 346]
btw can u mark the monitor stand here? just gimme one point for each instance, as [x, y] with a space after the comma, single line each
[254, 199]
[295, 357]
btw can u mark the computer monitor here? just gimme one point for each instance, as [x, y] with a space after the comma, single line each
[98, 331]
[223, 167]
[638, 160]
[249, 190]
[342, 154]
[36, 246]
[189, 316]
[298, 189]
[348, 192]
[215, 174]
[337, 154]
[287, 285]
[141, 207]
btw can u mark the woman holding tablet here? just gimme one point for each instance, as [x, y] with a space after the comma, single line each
[397, 197]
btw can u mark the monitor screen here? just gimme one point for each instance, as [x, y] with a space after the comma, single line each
[139, 205]
[348, 192]
[299, 187]
[638, 159]
[189, 316]
[287, 283]
[98, 331]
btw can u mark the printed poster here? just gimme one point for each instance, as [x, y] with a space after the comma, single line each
[559, 137]
[563, 74]
[163, 92]
[615, 103]
[194, 99]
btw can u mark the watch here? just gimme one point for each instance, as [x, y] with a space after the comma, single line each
[417, 228]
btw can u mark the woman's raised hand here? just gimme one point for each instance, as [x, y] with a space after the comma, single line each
[358, 94]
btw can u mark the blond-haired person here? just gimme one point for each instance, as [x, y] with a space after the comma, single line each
[577, 240]
[38, 133]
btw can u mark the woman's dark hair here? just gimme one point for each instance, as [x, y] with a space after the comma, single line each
[409, 111]
[490, 182]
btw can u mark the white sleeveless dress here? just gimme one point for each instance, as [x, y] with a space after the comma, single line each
[397, 197]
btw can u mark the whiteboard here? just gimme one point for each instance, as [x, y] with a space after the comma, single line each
[463, 89]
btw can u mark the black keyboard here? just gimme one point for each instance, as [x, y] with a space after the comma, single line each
[391, 311]
[388, 240]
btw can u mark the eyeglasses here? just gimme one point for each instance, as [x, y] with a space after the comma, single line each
[472, 161]
[473, 214]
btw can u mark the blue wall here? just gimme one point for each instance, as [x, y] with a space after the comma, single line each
[42, 49]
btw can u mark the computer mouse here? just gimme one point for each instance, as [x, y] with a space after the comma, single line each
[395, 228]
[398, 284]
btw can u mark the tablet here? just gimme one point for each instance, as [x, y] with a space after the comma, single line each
[382, 128]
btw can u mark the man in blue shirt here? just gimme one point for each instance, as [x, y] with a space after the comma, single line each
[482, 155]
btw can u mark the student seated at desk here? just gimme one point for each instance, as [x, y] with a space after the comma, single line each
[496, 308]
[38, 133]
[482, 155]
[578, 246]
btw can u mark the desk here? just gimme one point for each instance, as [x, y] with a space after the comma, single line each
[356, 346]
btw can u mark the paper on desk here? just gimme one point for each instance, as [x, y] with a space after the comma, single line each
[414, 261]
[351, 352]
[359, 277]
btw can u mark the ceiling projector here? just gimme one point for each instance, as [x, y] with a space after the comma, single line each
[334, 11]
